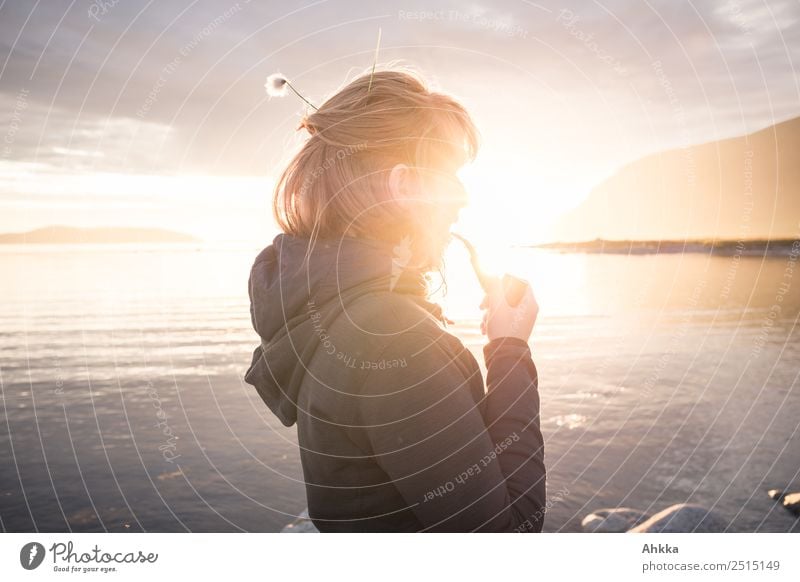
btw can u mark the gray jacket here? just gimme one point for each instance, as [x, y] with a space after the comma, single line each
[396, 429]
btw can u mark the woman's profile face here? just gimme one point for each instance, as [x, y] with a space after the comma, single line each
[434, 194]
[444, 195]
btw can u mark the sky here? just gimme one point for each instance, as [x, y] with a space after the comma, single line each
[123, 113]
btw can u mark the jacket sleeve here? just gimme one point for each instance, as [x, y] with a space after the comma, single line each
[459, 465]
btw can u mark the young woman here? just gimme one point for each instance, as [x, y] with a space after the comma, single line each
[396, 429]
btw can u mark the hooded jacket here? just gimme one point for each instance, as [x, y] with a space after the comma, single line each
[396, 429]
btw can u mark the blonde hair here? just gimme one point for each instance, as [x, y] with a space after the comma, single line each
[336, 185]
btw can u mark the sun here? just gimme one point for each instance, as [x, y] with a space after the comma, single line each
[512, 207]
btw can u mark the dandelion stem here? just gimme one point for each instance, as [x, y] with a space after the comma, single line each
[301, 97]
[374, 62]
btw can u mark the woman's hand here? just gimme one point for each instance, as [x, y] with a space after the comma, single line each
[502, 320]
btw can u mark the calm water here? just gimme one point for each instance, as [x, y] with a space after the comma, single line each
[664, 379]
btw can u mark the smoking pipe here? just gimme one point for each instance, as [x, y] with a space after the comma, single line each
[513, 287]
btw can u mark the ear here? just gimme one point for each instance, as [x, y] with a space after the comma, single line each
[404, 185]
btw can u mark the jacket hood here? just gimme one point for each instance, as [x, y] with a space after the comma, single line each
[286, 290]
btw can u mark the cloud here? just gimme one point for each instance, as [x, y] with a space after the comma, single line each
[59, 137]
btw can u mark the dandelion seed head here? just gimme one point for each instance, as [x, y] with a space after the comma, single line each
[276, 85]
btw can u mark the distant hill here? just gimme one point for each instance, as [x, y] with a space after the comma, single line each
[740, 188]
[70, 235]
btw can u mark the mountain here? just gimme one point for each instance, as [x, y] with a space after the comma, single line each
[744, 187]
[70, 235]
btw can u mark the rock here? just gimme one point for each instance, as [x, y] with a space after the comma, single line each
[790, 501]
[683, 517]
[776, 494]
[617, 520]
[302, 524]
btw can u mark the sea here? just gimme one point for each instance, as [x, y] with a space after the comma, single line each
[664, 379]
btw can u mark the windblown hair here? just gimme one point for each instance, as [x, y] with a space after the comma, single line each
[337, 184]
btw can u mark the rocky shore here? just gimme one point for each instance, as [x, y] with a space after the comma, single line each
[683, 517]
[680, 518]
